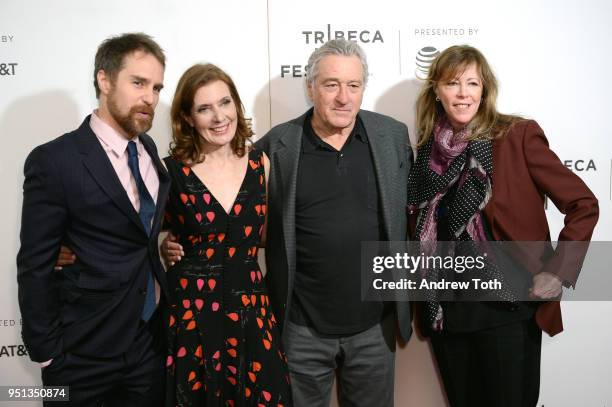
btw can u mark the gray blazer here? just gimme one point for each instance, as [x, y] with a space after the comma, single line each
[392, 158]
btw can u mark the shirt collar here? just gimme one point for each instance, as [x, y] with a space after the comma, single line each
[111, 140]
[312, 142]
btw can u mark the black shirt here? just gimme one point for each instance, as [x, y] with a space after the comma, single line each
[337, 207]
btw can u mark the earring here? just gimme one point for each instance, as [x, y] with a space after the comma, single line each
[437, 98]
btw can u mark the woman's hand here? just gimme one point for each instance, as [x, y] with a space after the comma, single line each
[546, 286]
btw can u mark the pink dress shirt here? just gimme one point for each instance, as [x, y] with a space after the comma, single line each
[115, 146]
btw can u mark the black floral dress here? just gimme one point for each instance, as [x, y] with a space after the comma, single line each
[224, 345]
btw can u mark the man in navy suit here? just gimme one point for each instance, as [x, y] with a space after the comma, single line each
[100, 189]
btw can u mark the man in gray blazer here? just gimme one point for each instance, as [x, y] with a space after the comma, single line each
[338, 177]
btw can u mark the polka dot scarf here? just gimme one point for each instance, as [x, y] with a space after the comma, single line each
[446, 162]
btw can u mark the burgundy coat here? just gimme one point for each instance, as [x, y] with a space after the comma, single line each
[524, 171]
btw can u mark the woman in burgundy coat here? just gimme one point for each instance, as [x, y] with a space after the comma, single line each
[481, 175]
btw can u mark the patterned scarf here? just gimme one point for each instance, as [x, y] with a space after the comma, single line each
[447, 161]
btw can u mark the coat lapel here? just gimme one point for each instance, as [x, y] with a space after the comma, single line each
[164, 183]
[101, 170]
[381, 156]
[497, 193]
[386, 166]
[162, 197]
[287, 159]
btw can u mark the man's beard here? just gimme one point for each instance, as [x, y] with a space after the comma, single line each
[129, 122]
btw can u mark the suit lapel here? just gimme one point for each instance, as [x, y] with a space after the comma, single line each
[386, 165]
[381, 157]
[162, 196]
[287, 160]
[101, 170]
[164, 182]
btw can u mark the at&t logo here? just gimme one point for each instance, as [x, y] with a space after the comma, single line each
[13, 350]
[424, 58]
[8, 69]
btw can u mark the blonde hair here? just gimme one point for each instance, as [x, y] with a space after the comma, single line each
[488, 123]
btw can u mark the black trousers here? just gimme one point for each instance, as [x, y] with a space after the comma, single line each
[136, 378]
[497, 366]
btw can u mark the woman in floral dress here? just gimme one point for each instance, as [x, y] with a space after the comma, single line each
[224, 345]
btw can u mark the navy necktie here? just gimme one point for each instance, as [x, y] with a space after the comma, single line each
[146, 213]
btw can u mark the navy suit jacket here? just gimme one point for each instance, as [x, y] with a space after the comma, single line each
[72, 196]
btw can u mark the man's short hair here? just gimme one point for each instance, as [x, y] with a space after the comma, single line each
[111, 54]
[340, 47]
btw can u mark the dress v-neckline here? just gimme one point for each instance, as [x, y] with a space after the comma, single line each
[246, 173]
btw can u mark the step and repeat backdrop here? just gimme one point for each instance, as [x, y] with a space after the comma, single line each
[552, 60]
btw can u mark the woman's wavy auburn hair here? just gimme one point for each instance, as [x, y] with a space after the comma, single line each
[186, 144]
[488, 123]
